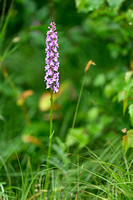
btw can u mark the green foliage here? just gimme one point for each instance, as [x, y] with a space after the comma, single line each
[77, 136]
[115, 4]
[127, 140]
[101, 31]
[121, 90]
[88, 5]
[131, 113]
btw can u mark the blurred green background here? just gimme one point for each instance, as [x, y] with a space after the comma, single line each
[98, 30]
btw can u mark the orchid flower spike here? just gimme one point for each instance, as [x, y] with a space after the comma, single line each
[52, 75]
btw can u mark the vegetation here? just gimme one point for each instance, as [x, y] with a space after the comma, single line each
[91, 152]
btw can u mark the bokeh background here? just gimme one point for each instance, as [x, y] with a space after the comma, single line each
[100, 30]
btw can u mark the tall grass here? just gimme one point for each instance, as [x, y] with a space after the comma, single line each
[86, 176]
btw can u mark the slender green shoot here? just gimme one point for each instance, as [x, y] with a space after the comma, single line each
[49, 148]
[81, 90]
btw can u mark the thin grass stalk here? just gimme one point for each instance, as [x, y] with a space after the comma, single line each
[3, 12]
[6, 75]
[81, 90]
[79, 98]
[49, 148]
[3, 31]
[78, 183]
[77, 106]
[80, 94]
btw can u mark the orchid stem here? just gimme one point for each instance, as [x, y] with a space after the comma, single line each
[49, 148]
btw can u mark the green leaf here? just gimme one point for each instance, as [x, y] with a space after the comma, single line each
[127, 141]
[77, 136]
[115, 3]
[99, 80]
[125, 101]
[130, 131]
[129, 16]
[93, 114]
[108, 90]
[128, 76]
[80, 4]
[88, 5]
[131, 113]
[92, 5]
[121, 96]
[2, 118]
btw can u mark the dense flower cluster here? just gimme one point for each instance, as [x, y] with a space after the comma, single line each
[52, 64]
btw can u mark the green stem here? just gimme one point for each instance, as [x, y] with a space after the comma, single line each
[49, 148]
[79, 98]
[81, 90]
[5, 73]
[77, 106]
